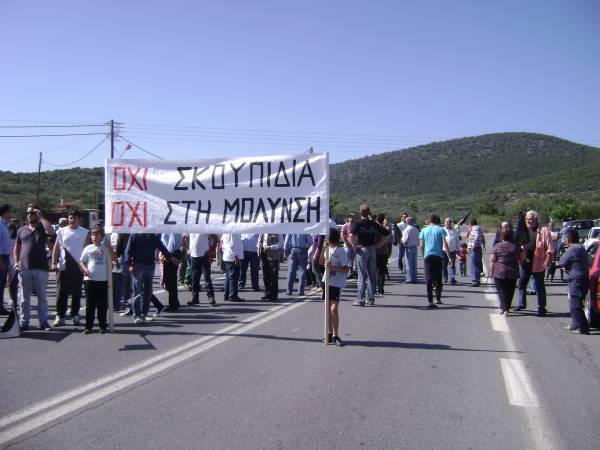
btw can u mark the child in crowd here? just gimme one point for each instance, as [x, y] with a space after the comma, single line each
[338, 266]
[93, 263]
[461, 255]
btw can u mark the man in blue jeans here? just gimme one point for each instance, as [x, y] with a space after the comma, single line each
[366, 237]
[410, 241]
[32, 264]
[141, 264]
[476, 244]
[296, 249]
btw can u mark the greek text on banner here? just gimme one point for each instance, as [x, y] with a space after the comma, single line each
[267, 194]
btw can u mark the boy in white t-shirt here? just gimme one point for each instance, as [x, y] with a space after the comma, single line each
[338, 267]
[94, 260]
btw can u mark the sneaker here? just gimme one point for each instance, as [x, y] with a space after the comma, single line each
[438, 302]
[87, 331]
[371, 303]
[138, 321]
[452, 281]
[519, 308]
[358, 304]
[431, 306]
[58, 322]
[475, 284]
[45, 327]
[338, 342]
[193, 302]
[288, 294]
[77, 320]
[159, 310]
[211, 300]
[237, 299]
[23, 326]
[541, 313]
[127, 312]
[102, 331]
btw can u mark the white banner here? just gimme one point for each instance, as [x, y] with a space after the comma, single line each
[266, 194]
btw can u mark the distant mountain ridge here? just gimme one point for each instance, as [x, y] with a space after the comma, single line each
[460, 173]
[490, 174]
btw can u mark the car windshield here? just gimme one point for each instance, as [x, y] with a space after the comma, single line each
[595, 233]
[579, 224]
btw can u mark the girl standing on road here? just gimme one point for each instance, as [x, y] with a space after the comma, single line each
[504, 269]
[338, 266]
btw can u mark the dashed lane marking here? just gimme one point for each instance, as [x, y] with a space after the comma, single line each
[55, 408]
[518, 387]
[499, 323]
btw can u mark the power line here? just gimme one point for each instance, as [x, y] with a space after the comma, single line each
[132, 125]
[54, 126]
[140, 148]
[79, 159]
[47, 135]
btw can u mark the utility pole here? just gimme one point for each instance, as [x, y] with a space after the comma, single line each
[112, 138]
[39, 179]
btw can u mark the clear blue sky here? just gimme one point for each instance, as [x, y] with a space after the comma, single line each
[193, 79]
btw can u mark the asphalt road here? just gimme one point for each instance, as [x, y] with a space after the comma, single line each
[256, 375]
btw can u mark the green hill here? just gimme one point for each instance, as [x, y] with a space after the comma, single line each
[495, 175]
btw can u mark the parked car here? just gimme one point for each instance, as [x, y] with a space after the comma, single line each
[591, 304]
[592, 237]
[583, 227]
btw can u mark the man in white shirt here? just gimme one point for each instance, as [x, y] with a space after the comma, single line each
[410, 240]
[453, 240]
[69, 245]
[401, 226]
[199, 246]
[233, 254]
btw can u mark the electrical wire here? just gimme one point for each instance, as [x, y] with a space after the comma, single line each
[53, 126]
[79, 159]
[252, 130]
[140, 148]
[45, 152]
[47, 135]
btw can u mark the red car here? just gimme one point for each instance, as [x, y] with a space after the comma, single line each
[591, 305]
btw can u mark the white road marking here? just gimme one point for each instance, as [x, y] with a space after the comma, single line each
[135, 374]
[518, 387]
[491, 296]
[499, 323]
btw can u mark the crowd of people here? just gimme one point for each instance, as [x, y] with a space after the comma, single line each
[361, 248]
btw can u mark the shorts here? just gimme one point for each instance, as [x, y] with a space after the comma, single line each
[334, 294]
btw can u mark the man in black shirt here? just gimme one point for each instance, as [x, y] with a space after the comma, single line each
[366, 236]
[30, 255]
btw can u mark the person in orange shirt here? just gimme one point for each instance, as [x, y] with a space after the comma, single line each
[539, 256]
